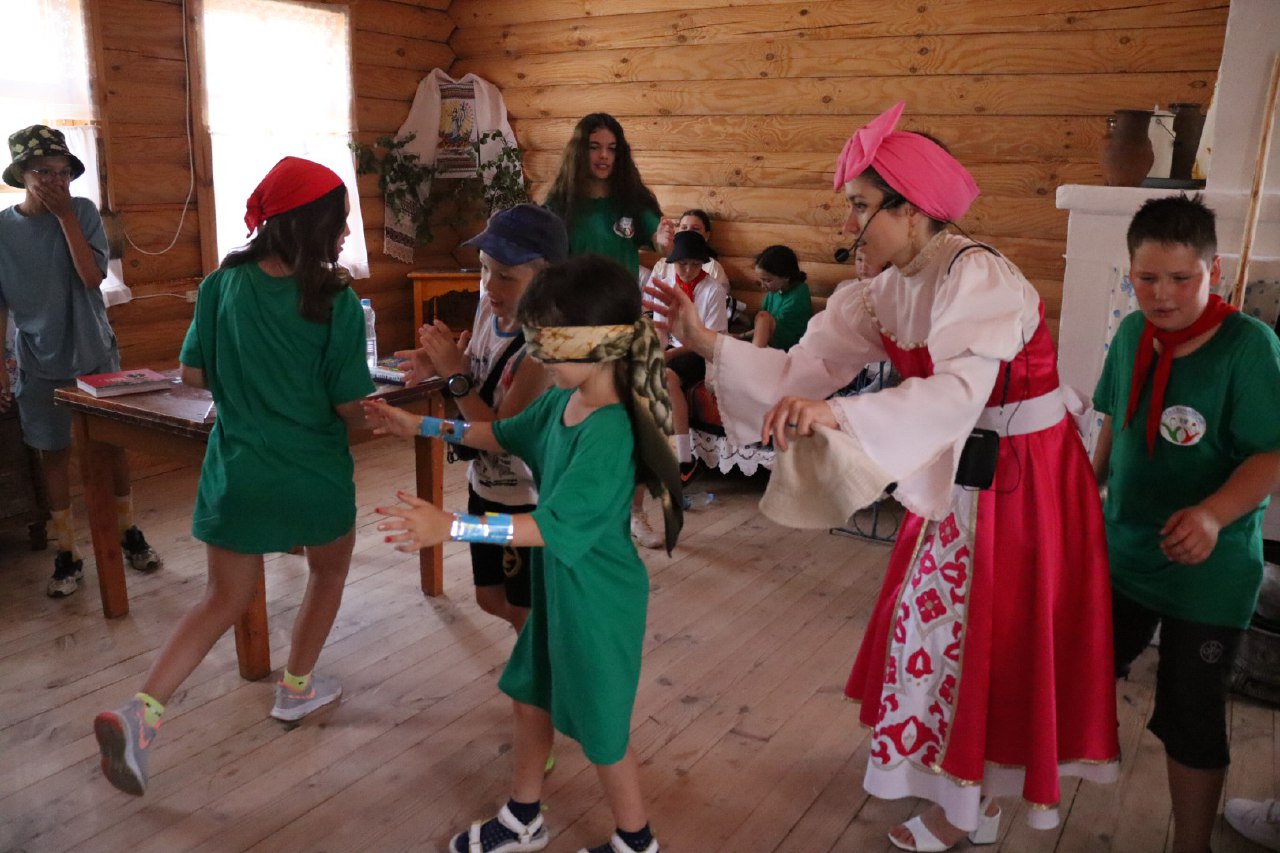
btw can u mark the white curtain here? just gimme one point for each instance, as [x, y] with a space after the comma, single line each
[36, 89]
[44, 65]
[278, 82]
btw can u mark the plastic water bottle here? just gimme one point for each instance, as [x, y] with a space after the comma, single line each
[370, 335]
[694, 501]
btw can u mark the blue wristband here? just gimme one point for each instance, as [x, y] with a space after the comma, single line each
[451, 431]
[492, 528]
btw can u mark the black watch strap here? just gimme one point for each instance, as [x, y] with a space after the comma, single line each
[458, 385]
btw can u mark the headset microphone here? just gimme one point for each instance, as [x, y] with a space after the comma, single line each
[890, 202]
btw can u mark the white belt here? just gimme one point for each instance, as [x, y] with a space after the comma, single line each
[1026, 416]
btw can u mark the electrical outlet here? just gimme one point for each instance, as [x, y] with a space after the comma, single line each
[190, 295]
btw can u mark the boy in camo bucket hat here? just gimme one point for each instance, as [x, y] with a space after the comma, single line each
[38, 141]
[53, 259]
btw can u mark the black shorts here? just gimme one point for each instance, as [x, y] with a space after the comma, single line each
[500, 565]
[1192, 679]
[690, 367]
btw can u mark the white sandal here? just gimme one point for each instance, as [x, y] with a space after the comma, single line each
[528, 837]
[988, 831]
[924, 841]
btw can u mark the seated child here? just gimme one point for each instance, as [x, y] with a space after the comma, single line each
[1191, 456]
[689, 254]
[782, 319]
[53, 260]
[691, 220]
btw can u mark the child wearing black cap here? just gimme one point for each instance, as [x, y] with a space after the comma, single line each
[53, 260]
[685, 368]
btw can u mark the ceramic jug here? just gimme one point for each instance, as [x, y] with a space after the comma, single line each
[1188, 123]
[1126, 151]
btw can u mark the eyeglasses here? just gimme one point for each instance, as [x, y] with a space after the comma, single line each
[65, 174]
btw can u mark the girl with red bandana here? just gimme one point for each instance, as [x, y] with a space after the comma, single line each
[278, 338]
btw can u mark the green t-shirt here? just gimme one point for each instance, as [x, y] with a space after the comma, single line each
[578, 656]
[791, 310]
[603, 228]
[278, 470]
[1222, 406]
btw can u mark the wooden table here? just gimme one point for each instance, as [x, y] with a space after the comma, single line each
[430, 285]
[173, 423]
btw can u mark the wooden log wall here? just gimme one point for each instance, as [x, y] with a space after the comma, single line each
[741, 106]
[140, 75]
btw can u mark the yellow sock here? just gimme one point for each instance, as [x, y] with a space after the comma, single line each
[124, 512]
[295, 682]
[64, 531]
[151, 709]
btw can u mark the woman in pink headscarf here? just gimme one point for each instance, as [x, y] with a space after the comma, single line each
[986, 669]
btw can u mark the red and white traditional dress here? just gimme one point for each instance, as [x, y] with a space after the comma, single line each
[987, 666]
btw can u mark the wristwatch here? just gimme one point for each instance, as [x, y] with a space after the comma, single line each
[458, 385]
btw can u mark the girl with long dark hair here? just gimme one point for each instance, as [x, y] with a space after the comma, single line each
[278, 338]
[601, 198]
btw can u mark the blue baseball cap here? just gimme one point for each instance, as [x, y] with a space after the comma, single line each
[522, 234]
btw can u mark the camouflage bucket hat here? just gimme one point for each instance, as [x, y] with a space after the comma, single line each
[38, 141]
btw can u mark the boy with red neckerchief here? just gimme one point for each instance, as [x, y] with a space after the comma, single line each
[1195, 388]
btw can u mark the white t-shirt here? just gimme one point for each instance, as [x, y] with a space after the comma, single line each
[710, 296]
[498, 477]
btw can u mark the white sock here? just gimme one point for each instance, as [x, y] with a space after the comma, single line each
[684, 448]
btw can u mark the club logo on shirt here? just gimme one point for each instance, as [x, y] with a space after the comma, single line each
[1182, 425]
[625, 227]
[1211, 651]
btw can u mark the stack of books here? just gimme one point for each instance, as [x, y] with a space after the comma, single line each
[390, 369]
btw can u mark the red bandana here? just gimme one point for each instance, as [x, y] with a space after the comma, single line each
[688, 286]
[1214, 313]
[290, 184]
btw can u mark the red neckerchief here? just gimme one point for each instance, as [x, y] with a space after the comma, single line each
[688, 286]
[1214, 313]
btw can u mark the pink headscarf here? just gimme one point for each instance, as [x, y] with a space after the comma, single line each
[290, 184]
[916, 167]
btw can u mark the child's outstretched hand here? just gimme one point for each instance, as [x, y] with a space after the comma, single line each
[416, 524]
[1190, 535]
[388, 420]
[419, 365]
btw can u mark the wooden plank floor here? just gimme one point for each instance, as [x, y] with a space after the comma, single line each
[746, 743]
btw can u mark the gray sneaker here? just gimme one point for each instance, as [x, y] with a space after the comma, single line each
[124, 739]
[141, 556]
[295, 704]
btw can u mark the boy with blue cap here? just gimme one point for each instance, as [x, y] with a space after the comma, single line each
[488, 376]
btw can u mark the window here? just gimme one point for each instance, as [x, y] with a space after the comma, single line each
[44, 79]
[278, 83]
